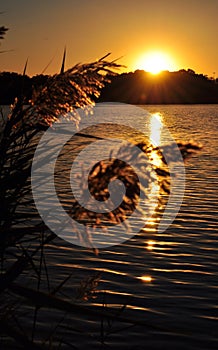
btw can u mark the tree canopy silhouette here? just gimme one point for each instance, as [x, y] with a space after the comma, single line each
[140, 87]
[180, 87]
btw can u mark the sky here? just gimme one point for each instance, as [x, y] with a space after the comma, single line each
[185, 30]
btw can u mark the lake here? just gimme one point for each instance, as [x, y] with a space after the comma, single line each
[168, 280]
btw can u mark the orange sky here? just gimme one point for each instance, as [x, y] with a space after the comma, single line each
[186, 30]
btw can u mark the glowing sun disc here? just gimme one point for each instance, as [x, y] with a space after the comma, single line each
[155, 62]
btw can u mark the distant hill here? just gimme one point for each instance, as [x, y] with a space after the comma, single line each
[140, 87]
[181, 87]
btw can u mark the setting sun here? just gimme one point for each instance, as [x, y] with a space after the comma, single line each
[155, 62]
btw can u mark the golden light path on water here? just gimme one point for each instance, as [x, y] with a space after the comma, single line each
[155, 138]
[156, 128]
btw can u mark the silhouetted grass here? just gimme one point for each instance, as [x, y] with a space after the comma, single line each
[24, 280]
[23, 235]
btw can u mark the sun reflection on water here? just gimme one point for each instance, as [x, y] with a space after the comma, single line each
[155, 136]
[155, 128]
[150, 245]
[145, 278]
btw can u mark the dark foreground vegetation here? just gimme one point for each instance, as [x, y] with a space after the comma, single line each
[27, 291]
[140, 87]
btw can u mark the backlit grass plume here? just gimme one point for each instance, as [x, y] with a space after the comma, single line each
[21, 129]
[24, 276]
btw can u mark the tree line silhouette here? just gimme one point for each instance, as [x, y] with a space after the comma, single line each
[14, 85]
[139, 87]
[180, 87]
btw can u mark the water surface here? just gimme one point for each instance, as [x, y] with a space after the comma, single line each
[169, 279]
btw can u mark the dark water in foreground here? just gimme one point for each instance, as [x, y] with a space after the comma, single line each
[169, 280]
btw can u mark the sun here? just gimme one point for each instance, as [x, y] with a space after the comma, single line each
[155, 62]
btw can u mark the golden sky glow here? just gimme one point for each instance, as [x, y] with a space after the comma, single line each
[186, 31]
